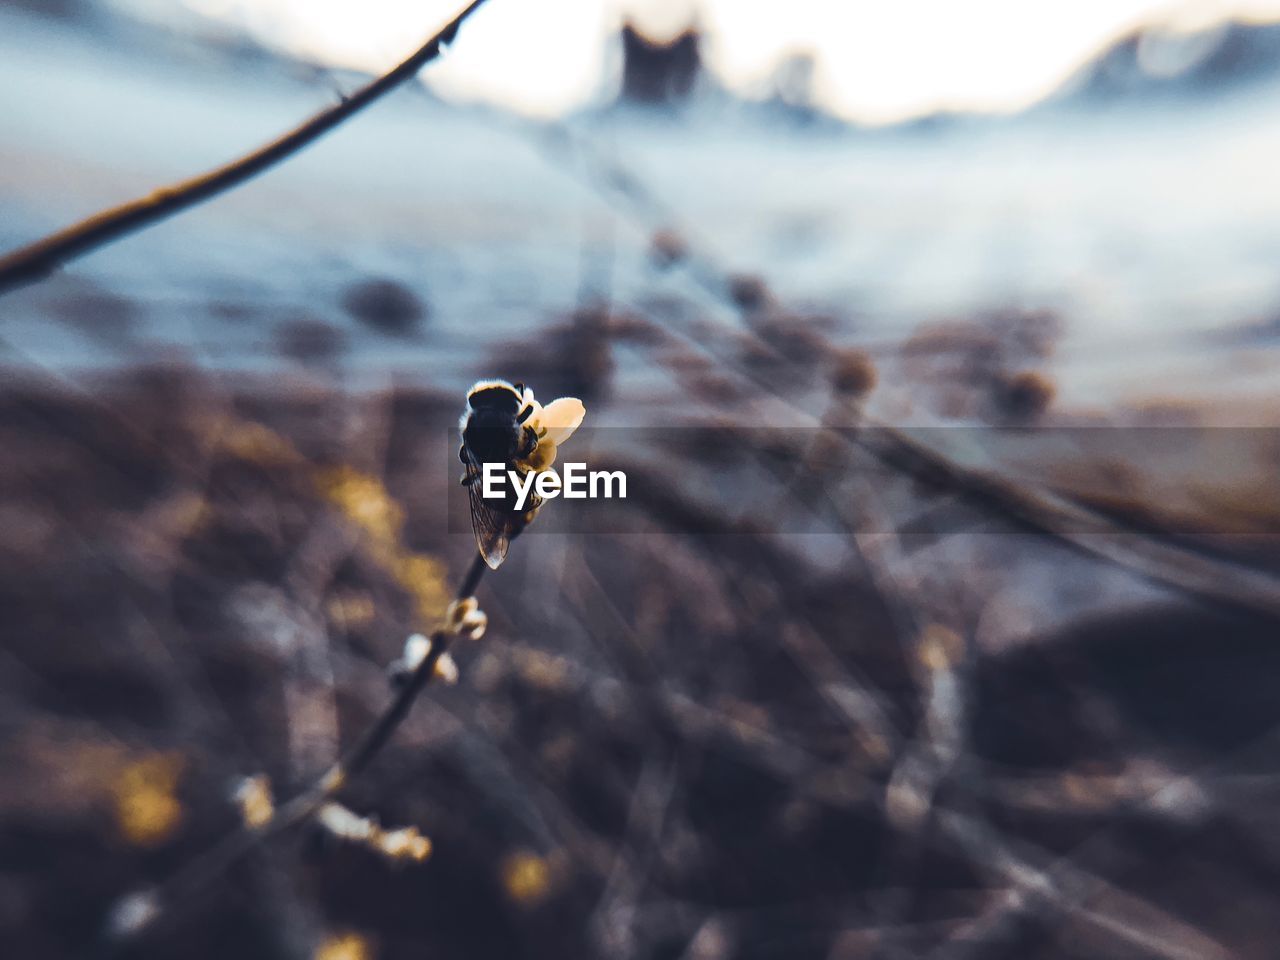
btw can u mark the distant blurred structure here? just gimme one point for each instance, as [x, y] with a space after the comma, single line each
[67, 10]
[53, 8]
[793, 80]
[658, 73]
[1157, 63]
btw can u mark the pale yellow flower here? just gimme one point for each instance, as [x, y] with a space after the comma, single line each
[553, 425]
[558, 419]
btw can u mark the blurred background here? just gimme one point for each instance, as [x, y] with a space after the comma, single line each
[940, 343]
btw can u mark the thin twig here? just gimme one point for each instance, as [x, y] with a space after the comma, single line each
[36, 260]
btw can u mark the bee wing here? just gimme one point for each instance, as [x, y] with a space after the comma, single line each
[492, 525]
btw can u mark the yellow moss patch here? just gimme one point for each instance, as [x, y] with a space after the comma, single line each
[424, 578]
[147, 810]
[526, 877]
[345, 946]
[351, 610]
[365, 501]
[255, 443]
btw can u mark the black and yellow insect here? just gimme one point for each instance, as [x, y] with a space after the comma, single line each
[494, 431]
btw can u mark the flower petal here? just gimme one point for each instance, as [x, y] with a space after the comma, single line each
[560, 418]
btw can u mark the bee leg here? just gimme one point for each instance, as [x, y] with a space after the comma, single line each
[528, 443]
[525, 414]
[462, 453]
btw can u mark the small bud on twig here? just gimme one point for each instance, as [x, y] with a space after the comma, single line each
[403, 843]
[447, 669]
[465, 618]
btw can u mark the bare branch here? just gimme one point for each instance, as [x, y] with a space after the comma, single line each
[36, 260]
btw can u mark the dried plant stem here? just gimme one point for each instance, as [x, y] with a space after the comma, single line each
[201, 872]
[1234, 584]
[36, 260]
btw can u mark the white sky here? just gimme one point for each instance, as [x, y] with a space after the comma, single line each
[877, 60]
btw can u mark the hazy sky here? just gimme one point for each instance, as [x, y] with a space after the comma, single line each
[877, 60]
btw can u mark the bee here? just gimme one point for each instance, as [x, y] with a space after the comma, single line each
[494, 430]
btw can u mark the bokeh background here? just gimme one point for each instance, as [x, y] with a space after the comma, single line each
[991, 677]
